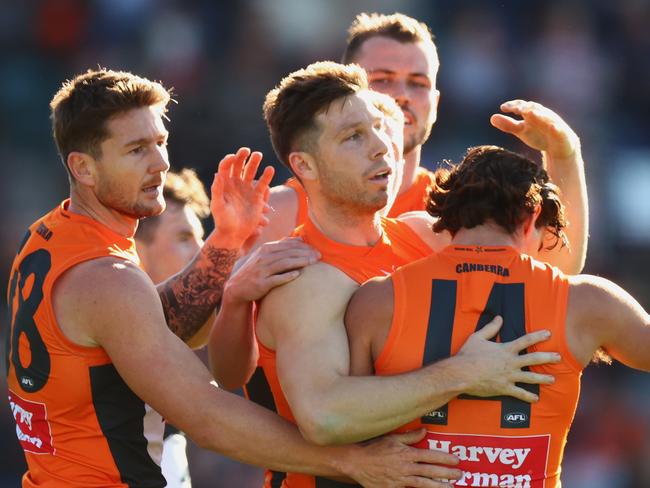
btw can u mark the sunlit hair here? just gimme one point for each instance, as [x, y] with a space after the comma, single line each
[388, 106]
[496, 185]
[82, 107]
[290, 109]
[398, 27]
[182, 189]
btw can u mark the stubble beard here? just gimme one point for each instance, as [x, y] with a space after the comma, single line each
[111, 196]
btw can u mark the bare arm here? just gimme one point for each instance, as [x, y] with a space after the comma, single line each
[237, 207]
[602, 314]
[123, 315]
[303, 321]
[544, 130]
[232, 346]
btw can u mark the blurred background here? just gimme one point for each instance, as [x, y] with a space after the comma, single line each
[587, 60]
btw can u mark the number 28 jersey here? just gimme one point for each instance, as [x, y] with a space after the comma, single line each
[77, 421]
[439, 302]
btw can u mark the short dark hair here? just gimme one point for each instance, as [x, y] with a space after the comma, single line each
[398, 27]
[291, 107]
[494, 184]
[182, 188]
[82, 107]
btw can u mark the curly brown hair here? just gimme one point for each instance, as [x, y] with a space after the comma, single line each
[494, 184]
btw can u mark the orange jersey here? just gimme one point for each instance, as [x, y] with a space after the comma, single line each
[439, 302]
[77, 421]
[412, 199]
[398, 246]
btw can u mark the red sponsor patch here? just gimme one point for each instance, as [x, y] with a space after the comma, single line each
[495, 461]
[32, 427]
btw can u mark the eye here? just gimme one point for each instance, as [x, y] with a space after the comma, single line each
[137, 150]
[354, 136]
[420, 82]
[380, 81]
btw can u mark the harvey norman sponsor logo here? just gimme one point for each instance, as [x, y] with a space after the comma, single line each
[32, 427]
[495, 461]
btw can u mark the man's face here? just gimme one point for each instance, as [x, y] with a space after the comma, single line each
[355, 158]
[407, 72]
[176, 238]
[131, 171]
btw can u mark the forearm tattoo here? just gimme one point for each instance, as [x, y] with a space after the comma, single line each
[189, 297]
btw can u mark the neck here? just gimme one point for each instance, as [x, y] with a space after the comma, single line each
[86, 203]
[345, 225]
[411, 164]
[488, 235]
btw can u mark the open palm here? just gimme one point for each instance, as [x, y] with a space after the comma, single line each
[238, 200]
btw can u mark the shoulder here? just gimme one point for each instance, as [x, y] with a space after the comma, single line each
[284, 197]
[370, 311]
[100, 294]
[421, 223]
[373, 300]
[317, 282]
[594, 295]
[282, 216]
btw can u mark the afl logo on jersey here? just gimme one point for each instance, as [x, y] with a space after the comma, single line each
[515, 417]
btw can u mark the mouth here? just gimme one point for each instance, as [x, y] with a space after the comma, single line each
[381, 176]
[409, 118]
[152, 189]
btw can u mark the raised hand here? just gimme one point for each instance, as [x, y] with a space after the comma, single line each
[238, 201]
[498, 366]
[391, 462]
[539, 127]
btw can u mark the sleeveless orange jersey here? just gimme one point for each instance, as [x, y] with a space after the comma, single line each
[398, 246]
[77, 421]
[412, 199]
[439, 302]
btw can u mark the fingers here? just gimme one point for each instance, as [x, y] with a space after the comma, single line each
[434, 472]
[507, 124]
[537, 358]
[262, 185]
[251, 167]
[410, 437]
[528, 340]
[239, 160]
[522, 394]
[491, 329]
[534, 378]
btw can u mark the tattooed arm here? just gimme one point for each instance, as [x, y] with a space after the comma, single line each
[237, 207]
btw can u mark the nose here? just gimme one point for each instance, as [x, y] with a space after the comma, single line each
[381, 143]
[161, 160]
[401, 94]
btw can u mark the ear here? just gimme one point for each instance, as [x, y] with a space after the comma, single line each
[529, 223]
[82, 168]
[303, 165]
[435, 100]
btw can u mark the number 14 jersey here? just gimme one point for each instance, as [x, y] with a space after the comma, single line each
[439, 302]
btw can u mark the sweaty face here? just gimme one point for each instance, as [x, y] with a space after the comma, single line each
[355, 158]
[407, 72]
[177, 237]
[131, 171]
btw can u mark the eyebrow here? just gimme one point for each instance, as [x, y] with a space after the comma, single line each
[358, 123]
[391, 72]
[145, 140]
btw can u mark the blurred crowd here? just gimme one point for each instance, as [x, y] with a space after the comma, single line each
[587, 60]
